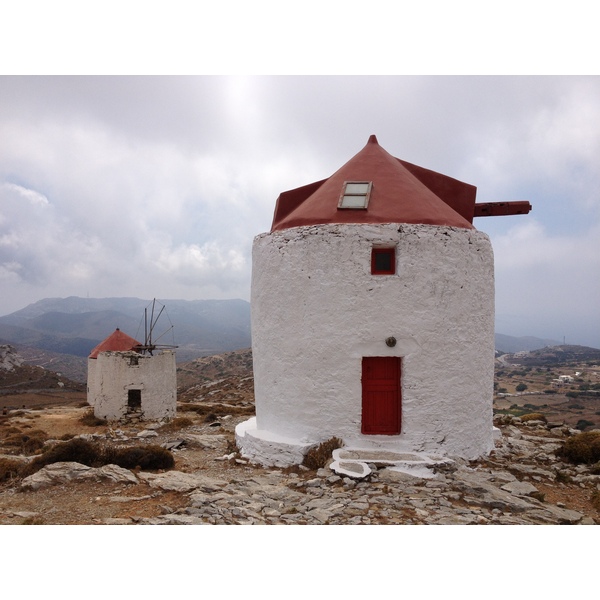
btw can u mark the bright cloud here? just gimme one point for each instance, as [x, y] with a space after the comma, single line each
[156, 186]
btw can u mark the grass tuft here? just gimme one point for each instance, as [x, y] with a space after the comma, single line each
[533, 417]
[318, 456]
[177, 423]
[91, 420]
[26, 443]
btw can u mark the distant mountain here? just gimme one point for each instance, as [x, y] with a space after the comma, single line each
[508, 343]
[75, 325]
[560, 355]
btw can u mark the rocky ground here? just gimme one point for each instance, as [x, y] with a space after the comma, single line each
[521, 482]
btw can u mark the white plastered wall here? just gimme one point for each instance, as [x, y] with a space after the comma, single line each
[113, 375]
[317, 310]
[91, 381]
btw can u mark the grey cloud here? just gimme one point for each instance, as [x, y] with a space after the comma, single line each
[159, 184]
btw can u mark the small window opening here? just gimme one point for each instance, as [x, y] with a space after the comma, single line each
[355, 194]
[383, 261]
[134, 400]
[134, 361]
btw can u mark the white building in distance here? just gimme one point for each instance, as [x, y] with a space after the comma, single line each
[373, 315]
[123, 382]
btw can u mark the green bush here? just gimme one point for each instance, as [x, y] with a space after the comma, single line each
[583, 424]
[318, 456]
[581, 448]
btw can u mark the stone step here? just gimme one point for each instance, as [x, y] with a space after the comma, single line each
[355, 462]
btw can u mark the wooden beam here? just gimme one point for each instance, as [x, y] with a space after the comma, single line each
[495, 209]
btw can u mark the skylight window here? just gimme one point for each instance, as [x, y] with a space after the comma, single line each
[355, 194]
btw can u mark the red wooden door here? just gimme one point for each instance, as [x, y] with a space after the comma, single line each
[381, 395]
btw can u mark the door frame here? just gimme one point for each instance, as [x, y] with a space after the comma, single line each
[389, 391]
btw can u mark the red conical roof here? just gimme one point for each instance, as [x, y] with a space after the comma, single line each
[115, 342]
[401, 193]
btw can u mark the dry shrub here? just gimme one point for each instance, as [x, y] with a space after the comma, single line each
[199, 409]
[147, 458]
[76, 450]
[177, 423]
[318, 456]
[92, 454]
[12, 429]
[219, 409]
[10, 469]
[33, 521]
[534, 417]
[91, 420]
[27, 443]
[581, 448]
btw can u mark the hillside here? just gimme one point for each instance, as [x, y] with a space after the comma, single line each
[75, 325]
[23, 385]
[563, 355]
[68, 365]
[509, 343]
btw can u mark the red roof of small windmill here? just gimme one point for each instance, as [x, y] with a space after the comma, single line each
[401, 193]
[115, 342]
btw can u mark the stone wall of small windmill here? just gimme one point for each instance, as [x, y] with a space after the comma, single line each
[130, 384]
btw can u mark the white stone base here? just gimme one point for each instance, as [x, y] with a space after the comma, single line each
[270, 449]
[267, 448]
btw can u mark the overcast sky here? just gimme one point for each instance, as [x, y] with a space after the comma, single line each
[156, 186]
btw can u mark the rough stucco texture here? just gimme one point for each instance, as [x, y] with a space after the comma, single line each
[111, 375]
[317, 310]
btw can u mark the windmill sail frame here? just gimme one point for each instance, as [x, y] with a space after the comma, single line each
[149, 326]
